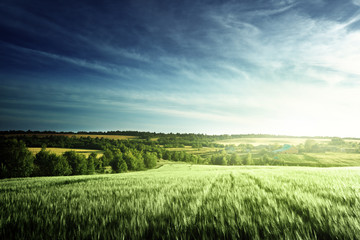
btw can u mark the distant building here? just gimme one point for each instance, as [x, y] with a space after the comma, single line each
[287, 149]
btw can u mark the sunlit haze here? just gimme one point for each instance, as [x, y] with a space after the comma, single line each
[218, 67]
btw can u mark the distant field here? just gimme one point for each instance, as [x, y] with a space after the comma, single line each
[60, 151]
[281, 141]
[267, 141]
[116, 137]
[181, 201]
[330, 159]
[337, 159]
[196, 151]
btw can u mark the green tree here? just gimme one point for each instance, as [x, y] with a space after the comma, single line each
[234, 159]
[118, 164]
[194, 158]
[43, 163]
[97, 161]
[130, 160]
[150, 160]
[15, 159]
[61, 167]
[123, 167]
[265, 159]
[101, 164]
[91, 164]
[49, 164]
[177, 156]
[337, 141]
[107, 157]
[219, 159]
[168, 155]
[140, 165]
[77, 162]
[309, 145]
[247, 160]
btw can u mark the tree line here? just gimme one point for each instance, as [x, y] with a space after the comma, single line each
[121, 155]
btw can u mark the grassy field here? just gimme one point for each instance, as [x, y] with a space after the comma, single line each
[280, 141]
[337, 159]
[204, 151]
[180, 201]
[60, 151]
[330, 159]
[267, 141]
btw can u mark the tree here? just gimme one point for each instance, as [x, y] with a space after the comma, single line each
[247, 160]
[219, 159]
[43, 162]
[15, 159]
[77, 162]
[91, 164]
[101, 166]
[140, 165]
[49, 164]
[123, 167]
[107, 157]
[310, 145]
[337, 141]
[177, 156]
[150, 160]
[130, 161]
[168, 155]
[61, 167]
[265, 159]
[234, 159]
[118, 164]
[97, 161]
[194, 158]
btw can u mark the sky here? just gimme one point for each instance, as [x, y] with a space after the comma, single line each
[282, 67]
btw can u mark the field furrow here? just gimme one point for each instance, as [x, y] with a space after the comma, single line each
[184, 201]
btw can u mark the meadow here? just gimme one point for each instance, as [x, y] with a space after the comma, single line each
[204, 151]
[182, 201]
[60, 151]
[328, 159]
[269, 140]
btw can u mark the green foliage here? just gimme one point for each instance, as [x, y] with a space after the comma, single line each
[49, 164]
[108, 157]
[123, 167]
[118, 164]
[234, 159]
[150, 160]
[77, 162]
[61, 167]
[131, 161]
[96, 160]
[219, 159]
[310, 145]
[91, 164]
[248, 160]
[135, 152]
[44, 163]
[15, 159]
[337, 141]
[168, 156]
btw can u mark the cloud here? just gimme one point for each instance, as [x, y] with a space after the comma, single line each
[356, 2]
[275, 68]
[282, 6]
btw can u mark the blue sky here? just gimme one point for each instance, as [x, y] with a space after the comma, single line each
[273, 67]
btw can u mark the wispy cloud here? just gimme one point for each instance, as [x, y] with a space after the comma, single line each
[274, 67]
[356, 2]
